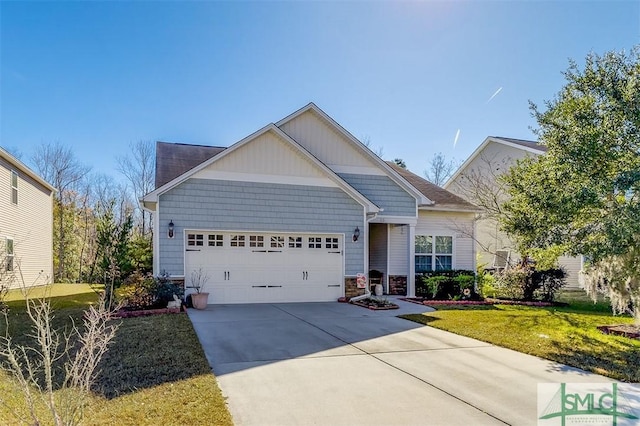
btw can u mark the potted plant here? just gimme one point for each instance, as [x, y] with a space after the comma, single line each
[200, 298]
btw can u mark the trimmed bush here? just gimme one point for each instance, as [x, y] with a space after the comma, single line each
[446, 285]
[529, 284]
[146, 292]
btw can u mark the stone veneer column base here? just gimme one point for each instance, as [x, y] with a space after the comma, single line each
[351, 288]
[398, 285]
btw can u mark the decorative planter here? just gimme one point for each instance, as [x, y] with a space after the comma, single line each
[199, 300]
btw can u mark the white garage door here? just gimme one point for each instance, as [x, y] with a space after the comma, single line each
[255, 267]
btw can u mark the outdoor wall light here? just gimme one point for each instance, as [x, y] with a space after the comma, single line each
[356, 234]
[171, 225]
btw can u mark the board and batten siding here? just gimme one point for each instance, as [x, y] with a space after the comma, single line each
[384, 193]
[251, 206]
[30, 224]
[433, 223]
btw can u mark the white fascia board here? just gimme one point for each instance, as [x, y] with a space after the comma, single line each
[19, 165]
[399, 220]
[370, 207]
[448, 209]
[479, 149]
[419, 196]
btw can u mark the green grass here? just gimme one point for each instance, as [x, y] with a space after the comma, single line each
[154, 373]
[567, 334]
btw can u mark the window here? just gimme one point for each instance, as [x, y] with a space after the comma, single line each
[315, 242]
[9, 254]
[277, 241]
[195, 240]
[237, 241]
[14, 187]
[295, 242]
[216, 240]
[256, 241]
[433, 253]
[331, 243]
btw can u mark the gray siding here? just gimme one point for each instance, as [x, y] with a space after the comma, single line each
[249, 206]
[384, 193]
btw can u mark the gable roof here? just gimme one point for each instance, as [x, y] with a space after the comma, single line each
[391, 172]
[19, 165]
[442, 199]
[153, 195]
[525, 145]
[174, 159]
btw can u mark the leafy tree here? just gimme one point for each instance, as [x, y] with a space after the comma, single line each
[584, 194]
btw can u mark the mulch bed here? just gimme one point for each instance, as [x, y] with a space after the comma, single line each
[488, 301]
[147, 312]
[626, 330]
[374, 305]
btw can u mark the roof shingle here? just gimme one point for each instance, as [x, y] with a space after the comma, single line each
[174, 159]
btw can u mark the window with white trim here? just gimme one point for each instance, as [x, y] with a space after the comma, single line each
[195, 240]
[237, 241]
[277, 241]
[433, 253]
[295, 242]
[315, 242]
[256, 240]
[216, 240]
[14, 187]
[9, 254]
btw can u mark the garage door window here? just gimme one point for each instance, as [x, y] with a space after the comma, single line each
[331, 243]
[216, 240]
[195, 240]
[295, 242]
[256, 241]
[315, 242]
[237, 241]
[277, 241]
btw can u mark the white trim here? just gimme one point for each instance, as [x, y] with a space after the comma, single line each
[265, 178]
[395, 176]
[24, 169]
[388, 257]
[411, 276]
[479, 149]
[357, 196]
[402, 220]
[449, 209]
[156, 244]
[357, 170]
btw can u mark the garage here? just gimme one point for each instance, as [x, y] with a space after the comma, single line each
[266, 267]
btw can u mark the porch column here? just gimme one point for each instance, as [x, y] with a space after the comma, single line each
[411, 277]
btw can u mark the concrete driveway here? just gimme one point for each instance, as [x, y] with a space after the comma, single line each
[339, 364]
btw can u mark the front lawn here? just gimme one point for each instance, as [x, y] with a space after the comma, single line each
[567, 335]
[154, 373]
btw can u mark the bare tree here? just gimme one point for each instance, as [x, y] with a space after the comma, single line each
[139, 169]
[58, 165]
[400, 163]
[440, 169]
[379, 151]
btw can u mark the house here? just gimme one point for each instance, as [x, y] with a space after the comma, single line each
[297, 211]
[26, 224]
[476, 180]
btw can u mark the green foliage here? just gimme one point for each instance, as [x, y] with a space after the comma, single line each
[145, 292]
[546, 258]
[529, 284]
[584, 193]
[113, 244]
[486, 284]
[443, 285]
[141, 253]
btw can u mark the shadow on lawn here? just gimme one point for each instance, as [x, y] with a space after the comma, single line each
[146, 352]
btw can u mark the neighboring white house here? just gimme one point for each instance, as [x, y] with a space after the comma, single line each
[26, 223]
[476, 181]
[295, 212]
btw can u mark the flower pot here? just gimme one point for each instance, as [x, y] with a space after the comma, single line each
[199, 300]
[378, 290]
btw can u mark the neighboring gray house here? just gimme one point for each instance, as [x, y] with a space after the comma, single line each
[296, 212]
[476, 180]
[26, 224]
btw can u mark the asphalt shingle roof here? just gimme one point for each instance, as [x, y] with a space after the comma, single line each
[523, 142]
[174, 159]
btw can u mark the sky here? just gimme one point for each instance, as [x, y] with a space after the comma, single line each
[412, 78]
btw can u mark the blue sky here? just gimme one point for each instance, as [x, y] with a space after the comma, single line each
[407, 76]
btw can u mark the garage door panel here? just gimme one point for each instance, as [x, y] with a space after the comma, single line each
[253, 267]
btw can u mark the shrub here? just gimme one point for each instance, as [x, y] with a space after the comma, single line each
[145, 292]
[446, 285]
[487, 284]
[529, 284]
[510, 283]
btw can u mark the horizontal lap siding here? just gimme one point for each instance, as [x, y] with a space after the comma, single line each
[457, 225]
[248, 206]
[384, 193]
[30, 224]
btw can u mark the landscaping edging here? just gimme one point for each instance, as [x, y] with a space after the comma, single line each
[488, 301]
[387, 307]
[625, 330]
[146, 312]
